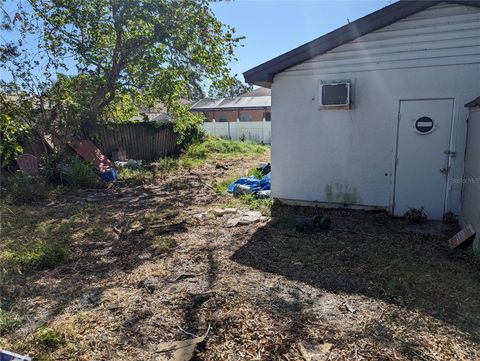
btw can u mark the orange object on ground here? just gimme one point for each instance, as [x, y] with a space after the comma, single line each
[88, 151]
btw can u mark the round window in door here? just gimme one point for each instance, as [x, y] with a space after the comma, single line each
[424, 125]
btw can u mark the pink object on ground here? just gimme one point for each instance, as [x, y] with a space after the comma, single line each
[87, 150]
[28, 164]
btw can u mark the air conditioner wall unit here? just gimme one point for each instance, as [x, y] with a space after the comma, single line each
[335, 95]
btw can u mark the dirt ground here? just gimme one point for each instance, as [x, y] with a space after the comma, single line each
[371, 288]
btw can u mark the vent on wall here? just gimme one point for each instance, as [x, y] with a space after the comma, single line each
[335, 95]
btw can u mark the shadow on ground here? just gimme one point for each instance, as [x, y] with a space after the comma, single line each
[135, 217]
[372, 254]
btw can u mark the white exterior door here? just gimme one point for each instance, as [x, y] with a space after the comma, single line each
[422, 163]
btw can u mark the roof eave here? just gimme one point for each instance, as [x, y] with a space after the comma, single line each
[474, 103]
[264, 73]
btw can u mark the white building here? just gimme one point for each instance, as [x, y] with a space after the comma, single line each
[372, 114]
[471, 179]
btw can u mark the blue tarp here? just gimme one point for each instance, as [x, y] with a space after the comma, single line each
[253, 183]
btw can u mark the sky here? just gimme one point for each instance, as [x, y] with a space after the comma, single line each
[273, 27]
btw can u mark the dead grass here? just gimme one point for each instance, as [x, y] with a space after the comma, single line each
[141, 264]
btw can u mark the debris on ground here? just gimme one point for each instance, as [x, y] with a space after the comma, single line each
[263, 194]
[239, 189]
[201, 216]
[416, 216]
[349, 308]
[88, 151]
[222, 211]
[180, 350]
[311, 224]
[151, 284]
[109, 175]
[264, 167]
[222, 166]
[250, 184]
[11, 356]
[184, 276]
[245, 218]
[465, 234]
[140, 273]
[28, 164]
[312, 352]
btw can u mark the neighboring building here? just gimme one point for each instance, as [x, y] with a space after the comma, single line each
[252, 106]
[371, 115]
[471, 179]
[158, 113]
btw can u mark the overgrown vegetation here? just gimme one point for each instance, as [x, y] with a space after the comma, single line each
[136, 176]
[23, 189]
[416, 216]
[9, 322]
[255, 172]
[249, 201]
[124, 56]
[221, 148]
[33, 239]
[222, 186]
[71, 171]
[16, 257]
[80, 174]
[165, 244]
[13, 133]
[211, 148]
[48, 338]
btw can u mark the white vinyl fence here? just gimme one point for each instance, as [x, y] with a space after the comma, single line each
[259, 132]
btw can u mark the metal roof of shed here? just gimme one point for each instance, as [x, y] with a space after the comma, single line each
[263, 74]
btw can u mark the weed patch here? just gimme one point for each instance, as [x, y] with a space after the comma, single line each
[249, 201]
[263, 205]
[168, 164]
[32, 239]
[95, 232]
[222, 187]
[165, 244]
[8, 322]
[214, 147]
[72, 171]
[80, 174]
[255, 172]
[24, 189]
[195, 155]
[136, 176]
[48, 338]
[32, 256]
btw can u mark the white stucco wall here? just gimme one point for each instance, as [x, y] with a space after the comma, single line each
[317, 152]
[471, 186]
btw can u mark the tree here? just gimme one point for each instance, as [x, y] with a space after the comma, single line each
[161, 50]
[232, 87]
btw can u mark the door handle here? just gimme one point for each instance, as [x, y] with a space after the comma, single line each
[444, 170]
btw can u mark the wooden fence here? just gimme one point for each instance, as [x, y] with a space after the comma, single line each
[140, 141]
